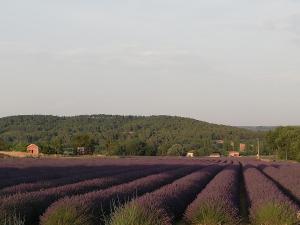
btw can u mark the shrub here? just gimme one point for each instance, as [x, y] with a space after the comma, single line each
[218, 202]
[74, 178]
[213, 213]
[31, 205]
[287, 176]
[70, 215]
[97, 204]
[273, 213]
[170, 201]
[132, 214]
[269, 205]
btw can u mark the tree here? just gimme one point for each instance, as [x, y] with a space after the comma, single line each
[227, 145]
[176, 150]
[20, 147]
[82, 141]
[3, 145]
[57, 144]
[236, 144]
[285, 142]
[46, 148]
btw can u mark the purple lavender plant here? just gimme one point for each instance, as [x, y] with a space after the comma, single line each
[31, 205]
[268, 204]
[218, 203]
[91, 207]
[165, 205]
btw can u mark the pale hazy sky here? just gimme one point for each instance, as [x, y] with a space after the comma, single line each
[224, 61]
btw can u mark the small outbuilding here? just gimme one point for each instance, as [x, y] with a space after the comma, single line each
[81, 150]
[33, 149]
[84, 151]
[190, 154]
[233, 154]
[215, 155]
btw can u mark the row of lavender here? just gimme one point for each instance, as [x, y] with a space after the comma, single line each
[13, 172]
[74, 178]
[268, 204]
[93, 206]
[155, 200]
[29, 206]
[287, 176]
[218, 203]
[164, 206]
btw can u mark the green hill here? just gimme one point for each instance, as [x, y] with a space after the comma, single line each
[125, 135]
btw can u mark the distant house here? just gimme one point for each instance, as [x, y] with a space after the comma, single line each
[215, 155]
[233, 154]
[242, 147]
[190, 154]
[83, 151]
[33, 149]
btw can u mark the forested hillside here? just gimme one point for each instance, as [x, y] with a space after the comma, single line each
[122, 135]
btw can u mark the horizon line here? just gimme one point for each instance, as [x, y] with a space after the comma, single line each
[141, 115]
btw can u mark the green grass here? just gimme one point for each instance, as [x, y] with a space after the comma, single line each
[133, 214]
[14, 220]
[275, 214]
[213, 214]
[68, 216]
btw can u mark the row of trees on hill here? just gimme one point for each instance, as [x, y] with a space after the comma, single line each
[142, 147]
[123, 135]
[285, 142]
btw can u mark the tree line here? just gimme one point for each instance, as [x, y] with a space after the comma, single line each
[285, 142]
[123, 135]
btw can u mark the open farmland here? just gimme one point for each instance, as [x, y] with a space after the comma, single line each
[148, 191]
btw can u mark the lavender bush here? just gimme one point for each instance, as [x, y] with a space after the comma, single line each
[218, 202]
[17, 171]
[166, 204]
[76, 177]
[287, 176]
[269, 206]
[91, 207]
[31, 205]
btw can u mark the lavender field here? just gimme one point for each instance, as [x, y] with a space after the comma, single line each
[148, 191]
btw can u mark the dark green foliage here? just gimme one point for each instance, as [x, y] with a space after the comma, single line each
[285, 141]
[83, 141]
[121, 135]
[176, 150]
[3, 145]
[275, 214]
